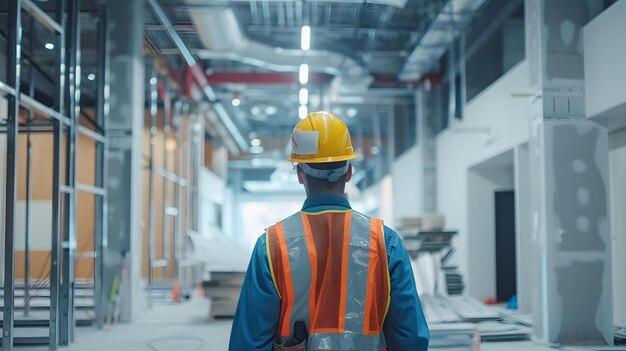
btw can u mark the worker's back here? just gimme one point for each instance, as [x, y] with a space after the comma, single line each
[338, 275]
[331, 272]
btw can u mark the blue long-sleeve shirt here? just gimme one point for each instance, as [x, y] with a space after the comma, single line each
[256, 319]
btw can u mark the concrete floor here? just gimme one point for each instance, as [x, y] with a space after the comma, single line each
[185, 327]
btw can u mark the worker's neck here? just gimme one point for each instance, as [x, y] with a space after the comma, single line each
[311, 194]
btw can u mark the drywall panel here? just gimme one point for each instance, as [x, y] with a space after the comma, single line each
[481, 237]
[212, 187]
[495, 122]
[617, 178]
[407, 182]
[571, 234]
[42, 157]
[605, 54]
[212, 194]
[3, 155]
[524, 229]
[41, 225]
[41, 205]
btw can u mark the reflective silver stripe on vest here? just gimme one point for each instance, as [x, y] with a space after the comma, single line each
[358, 260]
[300, 268]
[345, 342]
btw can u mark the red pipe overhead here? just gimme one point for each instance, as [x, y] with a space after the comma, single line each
[222, 78]
[196, 74]
[380, 80]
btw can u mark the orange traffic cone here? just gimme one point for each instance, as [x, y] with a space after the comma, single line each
[175, 292]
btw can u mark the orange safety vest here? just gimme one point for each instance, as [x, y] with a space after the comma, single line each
[331, 272]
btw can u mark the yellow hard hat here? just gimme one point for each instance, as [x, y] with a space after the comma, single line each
[321, 138]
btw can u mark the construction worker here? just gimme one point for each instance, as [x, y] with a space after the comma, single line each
[328, 277]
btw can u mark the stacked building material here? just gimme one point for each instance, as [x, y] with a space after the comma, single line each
[223, 289]
[456, 322]
[454, 281]
[448, 335]
[620, 335]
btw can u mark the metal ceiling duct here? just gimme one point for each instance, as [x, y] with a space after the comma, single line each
[223, 38]
[444, 28]
[392, 3]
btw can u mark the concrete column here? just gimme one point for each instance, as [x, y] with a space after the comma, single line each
[125, 131]
[428, 110]
[571, 254]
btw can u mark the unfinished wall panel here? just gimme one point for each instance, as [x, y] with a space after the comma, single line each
[571, 237]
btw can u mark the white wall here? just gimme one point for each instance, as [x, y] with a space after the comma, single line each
[377, 200]
[482, 183]
[211, 192]
[617, 179]
[605, 54]
[523, 223]
[257, 211]
[407, 193]
[605, 100]
[467, 143]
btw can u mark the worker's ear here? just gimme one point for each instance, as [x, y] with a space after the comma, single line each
[300, 175]
[349, 174]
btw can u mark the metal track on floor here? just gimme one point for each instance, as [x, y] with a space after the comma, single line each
[39, 323]
[29, 340]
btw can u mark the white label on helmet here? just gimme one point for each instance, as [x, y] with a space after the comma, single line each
[304, 142]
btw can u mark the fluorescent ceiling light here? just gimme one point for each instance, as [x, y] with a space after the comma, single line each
[305, 38]
[236, 102]
[304, 96]
[351, 112]
[271, 110]
[303, 111]
[304, 73]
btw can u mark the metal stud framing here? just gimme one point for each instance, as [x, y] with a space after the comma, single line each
[171, 208]
[64, 124]
[101, 155]
[13, 60]
[183, 178]
[151, 209]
